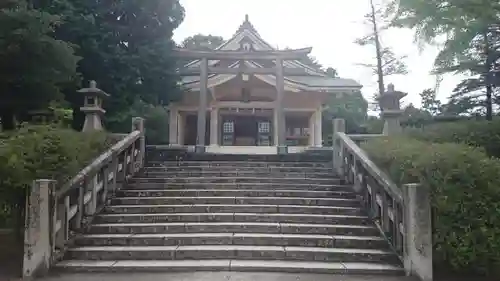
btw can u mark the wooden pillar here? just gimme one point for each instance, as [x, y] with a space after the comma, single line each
[181, 121]
[275, 127]
[311, 128]
[214, 127]
[173, 126]
[318, 129]
[202, 108]
[280, 91]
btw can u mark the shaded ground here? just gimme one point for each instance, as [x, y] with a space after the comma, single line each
[215, 276]
[11, 252]
[234, 276]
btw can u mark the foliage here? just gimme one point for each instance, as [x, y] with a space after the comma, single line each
[126, 47]
[202, 42]
[478, 133]
[34, 65]
[429, 102]
[353, 108]
[413, 116]
[471, 45]
[42, 152]
[156, 118]
[465, 197]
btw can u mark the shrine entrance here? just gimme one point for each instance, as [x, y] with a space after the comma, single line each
[246, 130]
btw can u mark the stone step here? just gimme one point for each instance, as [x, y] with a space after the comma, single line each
[228, 185]
[238, 164]
[245, 227]
[325, 170]
[278, 180]
[357, 268]
[232, 173]
[233, 208]
[257, 239]
[232, 217]
[235, 192]
[169, 155]
[244, 252]
[236, 200]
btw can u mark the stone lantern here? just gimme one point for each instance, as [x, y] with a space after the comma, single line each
[92, 107]
[391, 111]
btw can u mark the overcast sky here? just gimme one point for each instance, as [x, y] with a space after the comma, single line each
[329, 26]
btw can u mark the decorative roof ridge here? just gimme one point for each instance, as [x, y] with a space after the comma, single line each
[247, 25]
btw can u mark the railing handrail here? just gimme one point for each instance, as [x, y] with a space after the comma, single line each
[401, 213]
[101, 160]
[55, 214]
[371, 167]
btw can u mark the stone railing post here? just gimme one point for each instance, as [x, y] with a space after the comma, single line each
[338, 158]
[418, 231]
[38, 232]
[91, 186]
[138, 124]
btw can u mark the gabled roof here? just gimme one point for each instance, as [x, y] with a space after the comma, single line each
[315, 80]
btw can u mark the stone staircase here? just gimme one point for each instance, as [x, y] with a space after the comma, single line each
[188, 212]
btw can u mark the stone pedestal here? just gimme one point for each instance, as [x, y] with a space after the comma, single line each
[392, 125]
[92, 107]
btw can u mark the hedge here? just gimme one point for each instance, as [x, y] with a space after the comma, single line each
[465, 186]
[41, 152]
[485, 134]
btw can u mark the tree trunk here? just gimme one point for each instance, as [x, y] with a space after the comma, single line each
[489, 102]
[488, 66]
[378, 50]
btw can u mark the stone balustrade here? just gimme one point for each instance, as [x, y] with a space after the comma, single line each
[56, 214]
[403, 214]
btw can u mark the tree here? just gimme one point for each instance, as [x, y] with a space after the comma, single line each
[387, 63]
[125, 47]
[471, 32]
[429, 102]
[415, 117]
[202, 42]
[34, 65]
[351, 107]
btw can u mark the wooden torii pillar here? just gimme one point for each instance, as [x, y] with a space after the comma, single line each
[278, 71]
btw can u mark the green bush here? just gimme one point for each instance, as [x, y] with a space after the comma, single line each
[465, 186]
[485, 134]
[41, 152]
[156, 122]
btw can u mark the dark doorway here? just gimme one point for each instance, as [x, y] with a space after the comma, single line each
[191, 127]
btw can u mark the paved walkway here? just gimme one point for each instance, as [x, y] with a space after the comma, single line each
[214, 276]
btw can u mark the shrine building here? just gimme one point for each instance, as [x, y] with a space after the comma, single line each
[248, 97]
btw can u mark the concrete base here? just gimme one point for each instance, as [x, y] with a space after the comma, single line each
[200, 149]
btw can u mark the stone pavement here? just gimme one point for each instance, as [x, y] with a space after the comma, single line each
[215, 276]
